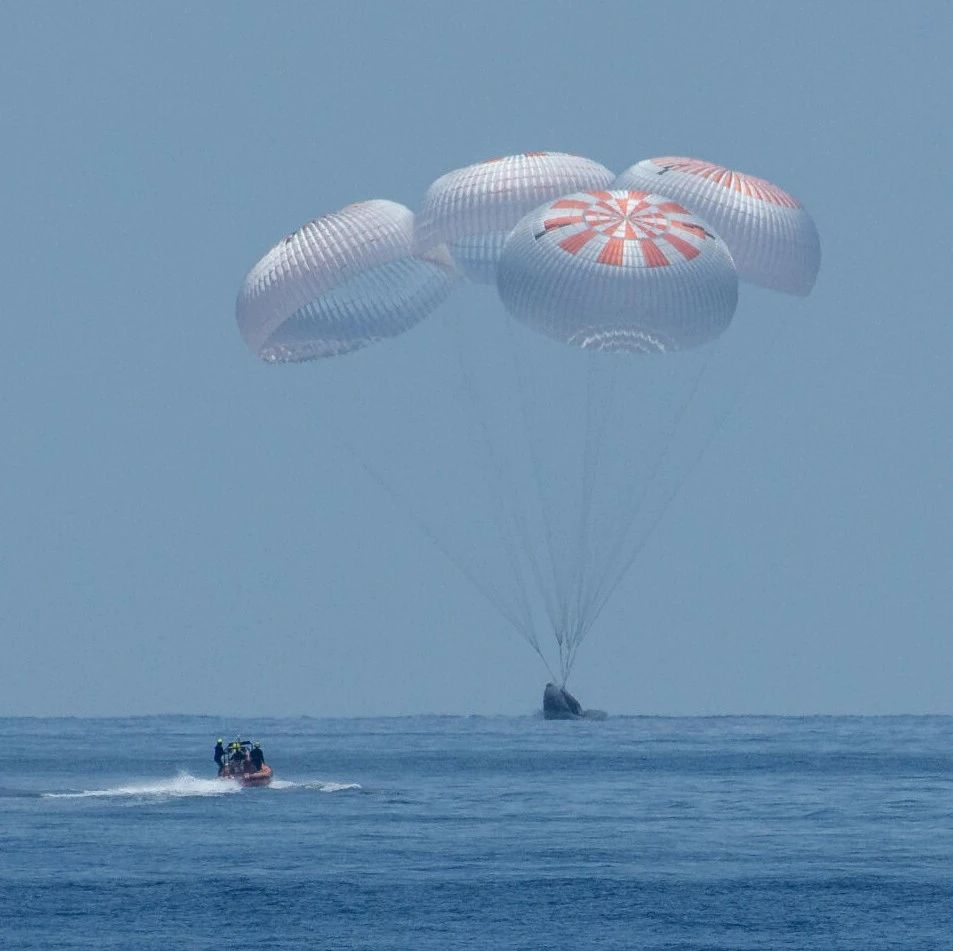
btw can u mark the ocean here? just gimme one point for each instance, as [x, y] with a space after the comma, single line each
[480, 832]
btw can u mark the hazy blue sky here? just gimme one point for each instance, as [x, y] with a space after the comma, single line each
[176, 536]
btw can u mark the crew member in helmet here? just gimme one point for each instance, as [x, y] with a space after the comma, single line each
[257, 757]
[219, 753]
[237, 755]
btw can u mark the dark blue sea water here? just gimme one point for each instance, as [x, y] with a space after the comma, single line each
[445, 833]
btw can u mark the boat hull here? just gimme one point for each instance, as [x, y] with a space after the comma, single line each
[261, 777]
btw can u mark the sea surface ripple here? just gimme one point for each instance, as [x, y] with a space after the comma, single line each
[478, 832]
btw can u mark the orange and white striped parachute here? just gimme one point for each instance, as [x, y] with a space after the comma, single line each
[772, 239]
[618, 270]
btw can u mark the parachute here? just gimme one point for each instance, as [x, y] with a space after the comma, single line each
[618, 270]
[340, 282]
[772, 239]
[582, 404]
[473, 209]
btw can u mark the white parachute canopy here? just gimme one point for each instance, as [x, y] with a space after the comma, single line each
[618, 270]
[772, 239]
[340, 282]
[472, 210]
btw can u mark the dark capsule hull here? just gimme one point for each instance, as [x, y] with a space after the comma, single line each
[560, 704]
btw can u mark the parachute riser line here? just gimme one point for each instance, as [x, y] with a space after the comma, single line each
[493, 597]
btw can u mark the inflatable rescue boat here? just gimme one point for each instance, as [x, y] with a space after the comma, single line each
[240, 766]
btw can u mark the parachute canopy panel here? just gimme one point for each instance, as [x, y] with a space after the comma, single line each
[340, 282]
[619, 270]
[772, 239]
[472, 210]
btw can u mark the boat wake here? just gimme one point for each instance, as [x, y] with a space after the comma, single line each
[185, 785]
[320, 785]
[182, 786]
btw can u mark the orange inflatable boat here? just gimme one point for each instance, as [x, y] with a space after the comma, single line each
[261, 777]
[240, 765]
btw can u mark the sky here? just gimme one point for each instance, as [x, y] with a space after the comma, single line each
[179, 534]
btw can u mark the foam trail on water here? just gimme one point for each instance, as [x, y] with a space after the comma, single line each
[181, 786]
[335, 787]
[320, 785]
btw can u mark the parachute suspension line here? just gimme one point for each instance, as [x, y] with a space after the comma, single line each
[501, 511]
[571, 659]
[598, 401]
[557, 611]
[523, 627]
[542, 657]
[586, 467]
[614, 530]
[739, 395]
[522, 531]
[603, 419]
[589, 469]
[617, 554]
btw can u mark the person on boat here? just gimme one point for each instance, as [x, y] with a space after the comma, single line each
[257, 757]
[219, 753]
[238, 754]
